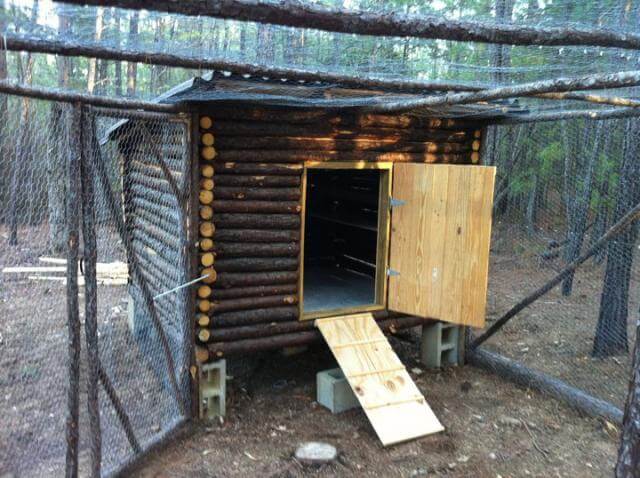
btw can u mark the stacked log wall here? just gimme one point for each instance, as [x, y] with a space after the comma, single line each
[251, 165]
[154, 222]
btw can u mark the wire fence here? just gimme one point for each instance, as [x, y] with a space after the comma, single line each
[142, 355]
[560, 187]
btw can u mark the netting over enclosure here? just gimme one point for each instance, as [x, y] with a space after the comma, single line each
[564, 267]
[143, 354]
[454, 64]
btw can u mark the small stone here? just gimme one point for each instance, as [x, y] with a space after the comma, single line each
[416, 371]
[316, 453]
[509, 421]
[493, 456]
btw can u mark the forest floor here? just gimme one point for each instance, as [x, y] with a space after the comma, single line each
[493, 428]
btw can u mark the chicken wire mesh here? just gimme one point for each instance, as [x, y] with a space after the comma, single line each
[138, 403]
[560, 186]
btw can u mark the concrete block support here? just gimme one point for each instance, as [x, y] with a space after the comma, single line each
[440, 345]
[213, 389]
[334, 392]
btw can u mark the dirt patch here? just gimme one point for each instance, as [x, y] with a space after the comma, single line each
[492, 429]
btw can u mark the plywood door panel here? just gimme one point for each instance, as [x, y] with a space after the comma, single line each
[393, 403]
[440, 241]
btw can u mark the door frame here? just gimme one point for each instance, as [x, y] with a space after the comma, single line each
[382, 247]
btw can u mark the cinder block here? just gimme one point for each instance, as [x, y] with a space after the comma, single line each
[213, 389]
[440, 344]
[334, 392]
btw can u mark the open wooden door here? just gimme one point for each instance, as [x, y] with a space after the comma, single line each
[440, 235]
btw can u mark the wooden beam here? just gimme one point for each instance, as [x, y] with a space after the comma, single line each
[14, 42]
[544, 383]
[304, 15]
[51, 94]
[603, 114]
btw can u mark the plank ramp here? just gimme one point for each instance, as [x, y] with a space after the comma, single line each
[391, 400]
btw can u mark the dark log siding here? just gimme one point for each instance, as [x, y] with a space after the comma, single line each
[257, 202]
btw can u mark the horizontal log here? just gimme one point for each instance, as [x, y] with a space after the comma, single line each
[283, 169]
[546, 384]
[252, 264]
[304, 337]
[256, 291]
[256, 221]
[227, 280]
[258, 193]
[257, 235]
[331, 144]
[138, 222]
[257, 249]
[255, 316]
[257, 181]
[248, 206]
[292, 156]
[252, 303]
[228, 334]
[322, 117]
[256, 128]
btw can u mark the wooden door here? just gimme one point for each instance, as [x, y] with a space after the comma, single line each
[440, 235]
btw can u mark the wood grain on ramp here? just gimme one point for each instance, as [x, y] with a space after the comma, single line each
[392, 401]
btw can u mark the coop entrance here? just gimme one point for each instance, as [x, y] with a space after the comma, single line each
[345, 238]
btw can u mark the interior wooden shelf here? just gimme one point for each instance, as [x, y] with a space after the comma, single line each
[345, 221]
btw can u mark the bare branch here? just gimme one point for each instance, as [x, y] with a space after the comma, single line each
[294, 13]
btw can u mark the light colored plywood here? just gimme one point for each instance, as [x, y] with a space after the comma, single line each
[391, 400]
[440, 241]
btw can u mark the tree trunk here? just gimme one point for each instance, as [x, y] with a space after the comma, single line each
[581, 203]
[611, 331]
[56, 165]
[20, 158]
[628, 465]
[118, 64]
[132, 68]
[92, 76]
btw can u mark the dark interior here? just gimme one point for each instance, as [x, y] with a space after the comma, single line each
[341, 237]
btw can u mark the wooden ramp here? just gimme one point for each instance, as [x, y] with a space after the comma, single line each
[393, 403]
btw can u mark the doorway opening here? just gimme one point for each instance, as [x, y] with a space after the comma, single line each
[345, 245]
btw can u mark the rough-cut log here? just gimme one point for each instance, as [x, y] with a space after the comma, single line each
[256, 291]
[257, 181]
[13, 88]
[332, 144]
[255, 316]
[256, 221]
[253, 264]
[590, 82]
[284, 169]
[602, 114]
[252, 303]
[279, 328]
[227, 280]
[295, 156]
[628, 465]
[205, 244]
[74, 49]
[294, 13]
[304, 337]
[258, 194]
[282, 207]
[544, 383]
[321, 130]
[257, 235]
[253, 249]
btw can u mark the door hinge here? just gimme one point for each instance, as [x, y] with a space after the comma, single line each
[396, 202]
[392, 273]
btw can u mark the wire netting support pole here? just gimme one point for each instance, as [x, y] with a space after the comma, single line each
[73, 313]
[91, 292]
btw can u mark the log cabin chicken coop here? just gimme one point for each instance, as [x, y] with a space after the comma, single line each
[310, 215]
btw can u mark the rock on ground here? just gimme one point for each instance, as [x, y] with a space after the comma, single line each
[316, 453]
